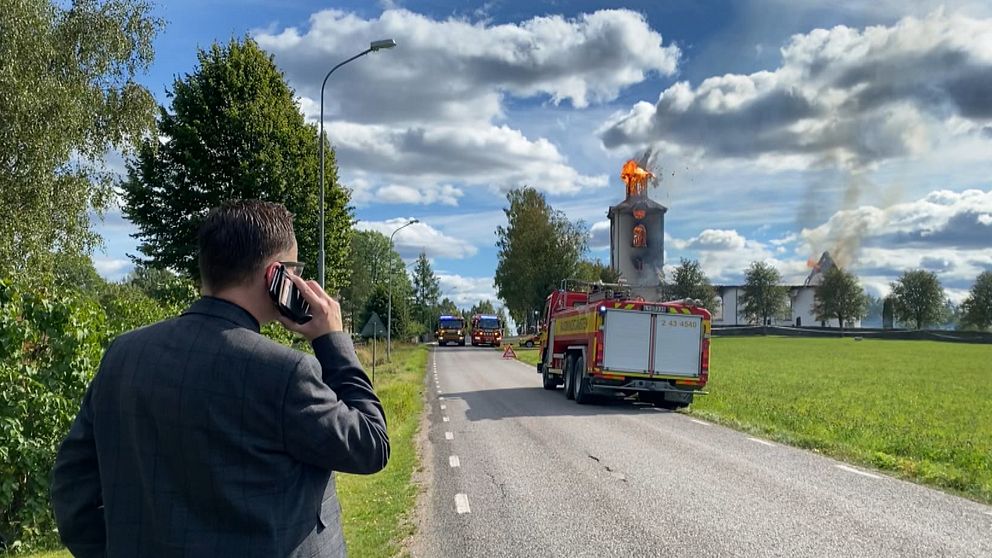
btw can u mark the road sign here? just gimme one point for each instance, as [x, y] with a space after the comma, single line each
[508, 353]
[373, 327]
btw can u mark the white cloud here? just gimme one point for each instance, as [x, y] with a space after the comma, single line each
[599, 235]
[444, 194]
[467, 291]
[426, 112]
[420, 237]
[714, 240]
[112, 269]
[842, 96]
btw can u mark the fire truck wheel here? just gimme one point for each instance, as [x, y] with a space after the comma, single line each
[580, 383]
[550, 381]
[569, 380]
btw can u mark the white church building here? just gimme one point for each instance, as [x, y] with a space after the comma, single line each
[730, 309]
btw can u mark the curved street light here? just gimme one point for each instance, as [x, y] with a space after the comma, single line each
[374, 46]
[389, 312]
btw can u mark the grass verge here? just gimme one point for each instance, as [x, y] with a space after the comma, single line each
[921, 410]
[376, 508]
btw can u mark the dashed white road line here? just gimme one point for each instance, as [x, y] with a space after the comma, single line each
[760, 441]
[440, 399]
[454, 461]
[461, 504]
[445, 419]
[697, 421]
[449, 435]
[443, 407]
[857, 472]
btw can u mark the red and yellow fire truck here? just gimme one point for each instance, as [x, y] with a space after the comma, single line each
[486, 330]
[603, 341]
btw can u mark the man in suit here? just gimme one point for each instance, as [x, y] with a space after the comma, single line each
[200, 437]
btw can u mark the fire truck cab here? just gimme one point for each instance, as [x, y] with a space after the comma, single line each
[450, 329]
[601, 341]
[486, 330]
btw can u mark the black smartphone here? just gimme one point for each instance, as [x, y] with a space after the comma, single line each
[288, 298]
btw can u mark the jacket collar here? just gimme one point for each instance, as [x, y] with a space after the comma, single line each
[225, 310]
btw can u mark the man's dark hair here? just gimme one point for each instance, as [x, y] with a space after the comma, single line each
[238, 238]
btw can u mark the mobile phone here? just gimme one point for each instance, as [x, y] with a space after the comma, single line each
[289, 300]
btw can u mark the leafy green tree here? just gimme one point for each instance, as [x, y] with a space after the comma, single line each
[840, 296]
[447, 307]
[164, 287]
[234, 131]
[918, 298]
[75, 271]
[538, 248]
[596, 271]
[763, 297]
[67, 96]
[689, 281]
[426, 291]
[378, 302]
[485, 306]
[501, 313]
[976, 310]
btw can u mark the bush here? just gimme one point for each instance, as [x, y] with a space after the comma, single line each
[51, 342]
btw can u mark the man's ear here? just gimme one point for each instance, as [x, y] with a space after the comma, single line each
[270, 271]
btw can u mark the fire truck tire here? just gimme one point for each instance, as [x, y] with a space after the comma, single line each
[580, 382]
[550, 381]
[569, 380]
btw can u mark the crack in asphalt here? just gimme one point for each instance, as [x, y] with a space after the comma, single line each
[613, 472]
[500, 485]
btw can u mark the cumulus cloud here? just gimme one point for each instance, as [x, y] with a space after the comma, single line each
[841, 96]
[112, 269]
[420, 237]
[444, 194]
[467, 291]
[599, 235]
[715, 240]
[428, 108]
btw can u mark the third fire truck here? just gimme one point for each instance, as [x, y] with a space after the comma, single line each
[600, 340]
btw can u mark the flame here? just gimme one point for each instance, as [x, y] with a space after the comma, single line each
[811, 263]
[635, 178]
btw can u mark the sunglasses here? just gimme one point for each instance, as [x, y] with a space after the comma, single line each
[295, 268]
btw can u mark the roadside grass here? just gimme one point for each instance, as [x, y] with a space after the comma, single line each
[921, 410]
[377, 509]
[530, 356]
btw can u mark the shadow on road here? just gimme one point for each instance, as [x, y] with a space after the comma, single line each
[496, 404]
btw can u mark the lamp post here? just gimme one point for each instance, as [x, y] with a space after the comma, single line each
[373, 47]
[389, 312]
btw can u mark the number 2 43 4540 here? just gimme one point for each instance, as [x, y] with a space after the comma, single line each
[674, 322]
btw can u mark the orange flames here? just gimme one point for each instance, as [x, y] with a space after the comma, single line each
[635, 178]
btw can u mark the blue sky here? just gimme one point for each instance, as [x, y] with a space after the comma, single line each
[779, 130]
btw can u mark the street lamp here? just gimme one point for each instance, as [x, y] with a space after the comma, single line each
[374, 46]
[389, 312]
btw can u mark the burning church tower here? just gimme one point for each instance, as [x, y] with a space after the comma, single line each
[637, 235]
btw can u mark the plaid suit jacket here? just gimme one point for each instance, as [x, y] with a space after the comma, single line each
[200, 437]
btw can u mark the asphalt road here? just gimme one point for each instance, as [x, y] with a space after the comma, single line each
[520, 471]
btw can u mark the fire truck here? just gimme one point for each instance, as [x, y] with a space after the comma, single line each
[450, 329]
[486, 330]
[600, 340]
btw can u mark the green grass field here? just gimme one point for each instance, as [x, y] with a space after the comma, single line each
[376, 508]
[921, 410]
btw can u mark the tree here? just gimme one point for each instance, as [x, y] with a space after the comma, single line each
[447, 307]
[840, 296]
[763, 297]
[538, 249]
[976, 310]
[689, 281]
[918, 298]
[378, 302]
[485, 306]
[426, 291]
[164, 286]
[501, 313]
[234, 131]
[595, 271]
[67, 97]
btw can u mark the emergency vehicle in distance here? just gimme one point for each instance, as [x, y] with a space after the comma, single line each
[600, 340]
[486, 330]
[450, 329]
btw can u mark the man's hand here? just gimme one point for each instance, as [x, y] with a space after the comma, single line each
[326, 311]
